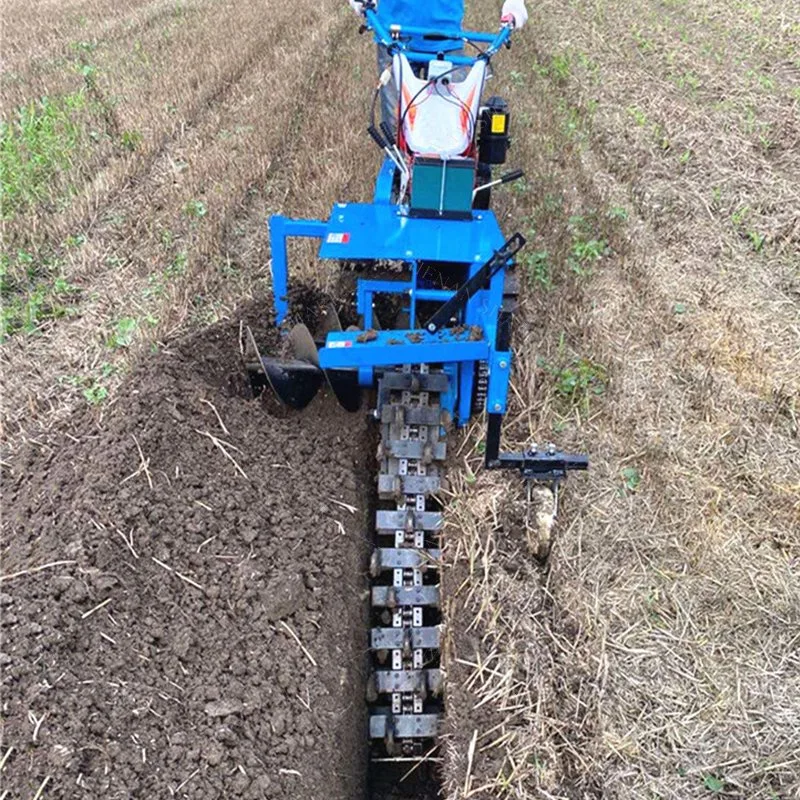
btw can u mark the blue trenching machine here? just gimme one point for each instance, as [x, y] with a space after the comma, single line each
[429, 248]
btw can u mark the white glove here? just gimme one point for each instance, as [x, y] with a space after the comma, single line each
[357, 6]
[514, 11]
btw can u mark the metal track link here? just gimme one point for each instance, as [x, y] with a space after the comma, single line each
[405, 687]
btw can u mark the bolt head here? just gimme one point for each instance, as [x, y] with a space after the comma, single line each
[503, 364]
[497, 406]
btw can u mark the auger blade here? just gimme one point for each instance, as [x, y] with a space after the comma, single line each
[295, 382]
[344, 384]
[302, 345]
[330, 321]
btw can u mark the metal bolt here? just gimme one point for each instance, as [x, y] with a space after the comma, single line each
[503, 364]
[498, 406]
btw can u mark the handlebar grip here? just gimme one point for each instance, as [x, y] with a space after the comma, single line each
[376, 137]
[512, 176]
[387, 132]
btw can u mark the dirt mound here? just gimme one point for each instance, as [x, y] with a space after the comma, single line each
[204, 635]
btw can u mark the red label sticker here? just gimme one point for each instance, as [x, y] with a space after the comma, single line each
[338, 238]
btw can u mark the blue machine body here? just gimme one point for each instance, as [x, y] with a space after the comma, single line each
[383, 231]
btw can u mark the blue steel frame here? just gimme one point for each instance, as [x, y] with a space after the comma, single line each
[385, 231]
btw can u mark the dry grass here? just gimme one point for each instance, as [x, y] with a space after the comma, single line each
[173, 233]
[655, 654]
[656, 651]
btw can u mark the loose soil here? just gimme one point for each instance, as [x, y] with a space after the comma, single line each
[160, 659]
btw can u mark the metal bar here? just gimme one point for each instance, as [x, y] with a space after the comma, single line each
[404, 381]
[416, 449]
[391, 485]
[415, 520]
[406, 680]
[407, 558]
[280, 229]
[499, 377]
[418, 415]
[404, 726]
[393, 638]
[383, 184]
[543, 466]
[477, 282]
[348, 349]
[471, 36]
[406, 596]
[419, 55]
[279, 267]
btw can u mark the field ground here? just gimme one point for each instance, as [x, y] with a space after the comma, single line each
[654, 653]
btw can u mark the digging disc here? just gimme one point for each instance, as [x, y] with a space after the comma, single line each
[296, 380]
[302, 345]
[343, 382]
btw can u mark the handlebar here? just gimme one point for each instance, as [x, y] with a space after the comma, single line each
[391, 39]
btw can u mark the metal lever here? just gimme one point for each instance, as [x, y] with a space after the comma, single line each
[515, 175]
[477, 282]
[390, 148]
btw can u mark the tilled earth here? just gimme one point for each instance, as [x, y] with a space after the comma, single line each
[204, 634]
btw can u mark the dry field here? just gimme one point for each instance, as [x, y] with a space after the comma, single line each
[655, 653]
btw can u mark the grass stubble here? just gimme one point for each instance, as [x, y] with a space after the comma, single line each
[654, 652]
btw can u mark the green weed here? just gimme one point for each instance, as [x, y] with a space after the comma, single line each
[584, 254]
[178, 265]
[95, 394]
[639, 116]
[560, 65]
[756, 240]
[714, 784]
[39, 143]
[578, 381]
[33, 292]
[123, 333]
[195, 209]
[631, 478]
[586, 247]
[130, 140]
[537, 268]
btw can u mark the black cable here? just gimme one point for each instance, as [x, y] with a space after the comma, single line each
[465, 107]
[472, 44]
[429, 82]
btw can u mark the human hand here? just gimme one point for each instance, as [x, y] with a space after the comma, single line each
[513, 13]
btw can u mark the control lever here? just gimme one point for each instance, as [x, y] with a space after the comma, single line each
[514, 175]
[477, 282]
[390, 148]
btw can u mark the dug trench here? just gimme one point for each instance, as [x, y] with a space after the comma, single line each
[184, 591]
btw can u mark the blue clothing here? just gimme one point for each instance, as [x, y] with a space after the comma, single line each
[436, 15]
